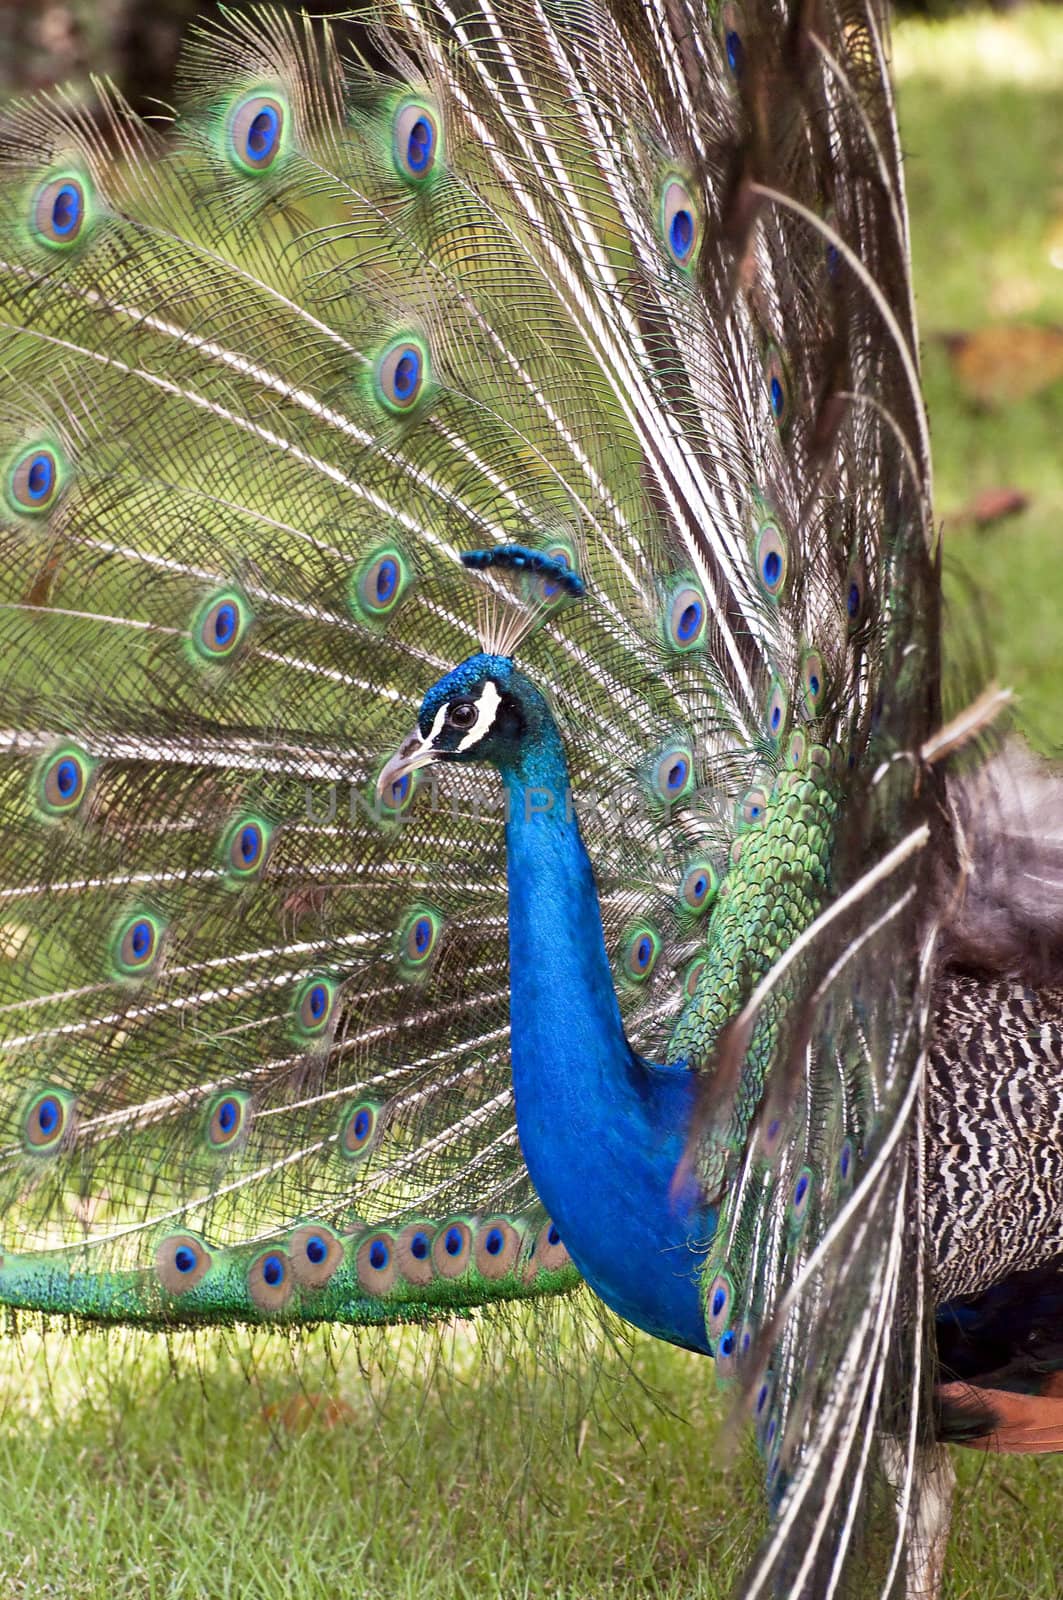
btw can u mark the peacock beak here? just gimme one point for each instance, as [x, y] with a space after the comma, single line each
[413, 752]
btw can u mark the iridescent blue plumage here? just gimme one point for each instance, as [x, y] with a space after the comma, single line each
[602, 1130]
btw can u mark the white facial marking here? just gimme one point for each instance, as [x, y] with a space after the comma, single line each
[486, 707]
[430, 736]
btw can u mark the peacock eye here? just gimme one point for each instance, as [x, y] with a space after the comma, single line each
[59, 211]
[462, 714]
[257, 132]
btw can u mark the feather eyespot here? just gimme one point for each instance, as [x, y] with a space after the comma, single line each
[246, 848]
[419, 938]
[751, 808]
[63, 782]
[727, 1354]
[679, 222]
[401, 374]
[413, 1252]
[548, 1253]
[801, 1196]
[226, 1121]
[257, 131]
[314, 1253]
[47, 1121]
[59, 211]
[775, 710]
[701, 883]
[845, 1161]
[34, 481]
[813, 683]
[315, 1008]
[641, 952]
[385, 582]
[415, 143]
[220, 627]
[672, 774]
[771, 1134]
[719, 1298]
[548, 590]
[271, 1281]
[376, 1263]
[181, 1262]
[692, 977]
[731, 35]
[778, 383]
[763, 1415]
[452, 1249]
[497, 1247]
[686, 618]
[380, 584]
[397, 797]
[357, 1127]
[796, 750]
[770, 558]
[855, 596]
[136, 946]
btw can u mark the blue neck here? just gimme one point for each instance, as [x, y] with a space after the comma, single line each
[601, 1130]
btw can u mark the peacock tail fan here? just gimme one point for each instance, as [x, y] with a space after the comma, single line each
[622, 286]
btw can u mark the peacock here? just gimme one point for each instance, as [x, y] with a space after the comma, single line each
[478, 807]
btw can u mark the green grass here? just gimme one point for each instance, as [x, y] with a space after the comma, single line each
[520, 1471]
[202, 1471]
[215, 1469]
[981, 108]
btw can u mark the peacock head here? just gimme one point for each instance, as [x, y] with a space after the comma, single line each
[484, 710]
